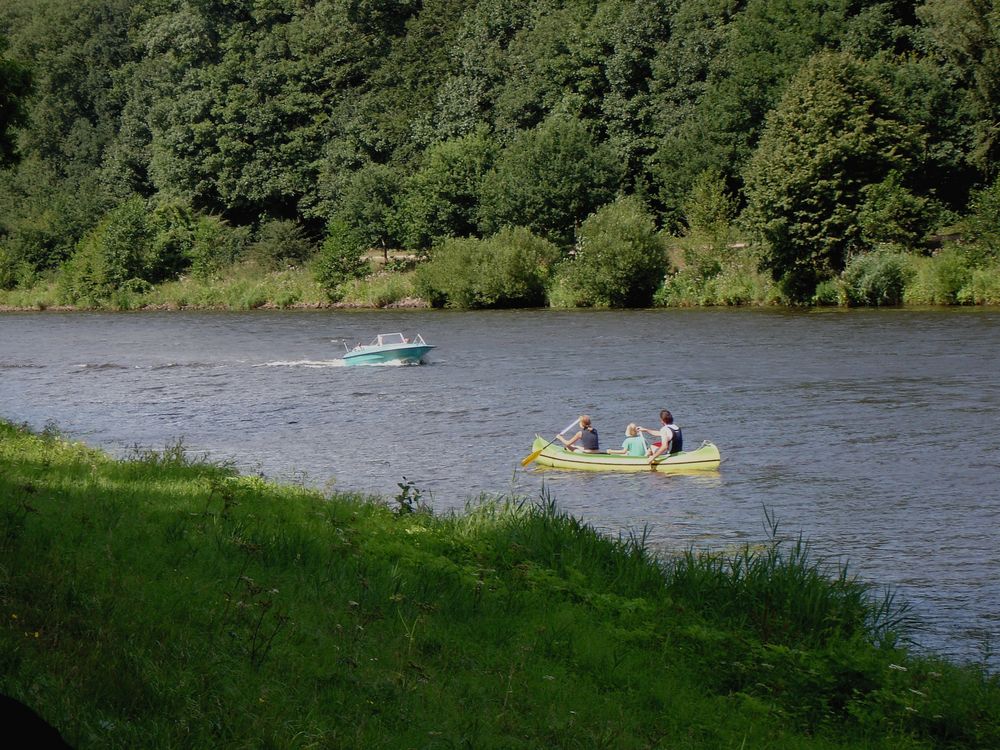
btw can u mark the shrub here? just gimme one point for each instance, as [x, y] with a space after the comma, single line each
[380, 290]
[877, 278]
[984, 221]
[215, 245]
[120, 248]
[620, 260]
[829, 293]
[340, 259]
[14, 271]
[510, 269]
[442, 198]
[983, 287]
[281, 243]
[938, 280]
[173, 237]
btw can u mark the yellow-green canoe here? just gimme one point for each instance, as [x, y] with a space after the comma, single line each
[706, 457]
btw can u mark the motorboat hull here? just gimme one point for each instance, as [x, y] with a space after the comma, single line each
[404, 354]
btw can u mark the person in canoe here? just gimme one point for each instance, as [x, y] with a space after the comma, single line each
[585, 439]
[671, 439]
[634, 444]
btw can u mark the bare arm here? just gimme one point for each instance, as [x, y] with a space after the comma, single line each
[572, 440]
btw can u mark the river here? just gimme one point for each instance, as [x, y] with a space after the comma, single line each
[873, 433]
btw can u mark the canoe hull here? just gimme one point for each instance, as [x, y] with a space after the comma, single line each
[403, 354]
[704, 458]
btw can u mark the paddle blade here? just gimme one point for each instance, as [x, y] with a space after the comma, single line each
[531, 457]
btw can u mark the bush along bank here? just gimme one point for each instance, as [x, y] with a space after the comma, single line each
[164, 601]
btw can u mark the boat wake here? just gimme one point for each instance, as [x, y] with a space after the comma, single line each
[305, 363]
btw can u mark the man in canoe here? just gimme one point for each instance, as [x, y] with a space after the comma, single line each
[671, 439]
[585, 440]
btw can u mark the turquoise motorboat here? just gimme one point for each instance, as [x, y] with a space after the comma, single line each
[389, 349]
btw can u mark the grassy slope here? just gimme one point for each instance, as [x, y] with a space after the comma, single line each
[162, 602]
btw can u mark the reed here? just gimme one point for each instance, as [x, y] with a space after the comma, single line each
[163, 600]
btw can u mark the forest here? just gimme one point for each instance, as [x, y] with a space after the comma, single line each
[503, 153]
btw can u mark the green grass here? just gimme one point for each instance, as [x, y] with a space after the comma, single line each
[243, 286]
[163, 601]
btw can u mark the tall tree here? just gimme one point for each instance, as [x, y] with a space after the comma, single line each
[15, 83]
[833, 134]
[549, 180]
[967, 34]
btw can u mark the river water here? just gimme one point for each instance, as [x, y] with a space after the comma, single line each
[872, 433]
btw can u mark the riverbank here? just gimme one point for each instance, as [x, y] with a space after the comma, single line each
[242, 287]
[165, 601]
[953, 276]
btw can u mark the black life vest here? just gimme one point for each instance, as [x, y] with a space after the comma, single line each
[677, 441]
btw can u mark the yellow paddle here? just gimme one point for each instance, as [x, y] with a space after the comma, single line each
[532, 456]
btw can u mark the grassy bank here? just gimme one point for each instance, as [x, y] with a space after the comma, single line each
[162, 601]
[240, 287]
[702, 275]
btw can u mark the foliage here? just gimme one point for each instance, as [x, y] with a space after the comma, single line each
[619, 260]
[413, 122]
[367, 206]
[713, 276]
[876, 278]
[833, 135]
[509, 269]
[442, 197]
[15, 85]
[709, 208]
[548, 180]
[382, 290]
[718, 102]
[13, 270]
[340, 259]
[984, 220]
[939, 280]
[215, 245]
[281, 243]
[120, 251]
[889, 213]
[983, 288]
[966, 33]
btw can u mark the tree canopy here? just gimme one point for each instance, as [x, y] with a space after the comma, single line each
[413, 122]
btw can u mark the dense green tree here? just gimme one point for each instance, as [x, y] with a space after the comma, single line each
[890, 213]
[928, 96]
[368, 206]
[442, 198]
[215, 245]
[340, 259]
[966, 33]
[833, 134]
[15, 83]
[281, 243]
[416, 121]
[54, 195]
[619, 260]
[762, 48]
[118, 253]
[984, 220]
[549, 179]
